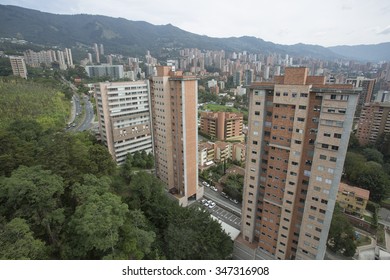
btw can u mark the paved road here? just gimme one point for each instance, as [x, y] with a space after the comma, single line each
[89, 116]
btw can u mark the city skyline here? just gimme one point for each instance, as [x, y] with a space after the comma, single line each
[336, 23]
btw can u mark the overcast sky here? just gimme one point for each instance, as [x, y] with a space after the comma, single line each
[326, 22]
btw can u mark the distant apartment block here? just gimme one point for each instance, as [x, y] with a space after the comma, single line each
[367, 86]
[114, 72]
[48, 57]
[352, 200]
[298, 135]
[238, 152]
[174, 116]
[123, 109]
[206, 153]
[222, 125]
[374, 120]
[210, 153]
[18, 66]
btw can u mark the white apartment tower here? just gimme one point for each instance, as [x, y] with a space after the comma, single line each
[123, 109]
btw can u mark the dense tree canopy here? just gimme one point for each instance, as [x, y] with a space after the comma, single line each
[67, 199]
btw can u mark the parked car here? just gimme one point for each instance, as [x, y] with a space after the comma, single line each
[212, 205]
[214, 188]
[224, 195]
[233, 200]
[203, 201]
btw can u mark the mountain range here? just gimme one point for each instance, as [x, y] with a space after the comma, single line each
[135, 37]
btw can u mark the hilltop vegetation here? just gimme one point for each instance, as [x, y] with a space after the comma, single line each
[30, 100]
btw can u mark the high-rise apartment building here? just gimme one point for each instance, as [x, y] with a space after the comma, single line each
[113, 71]
[124, 117]
[222, 125]
[374, 120]
[298, 135]
[97, 53]
[174, 116]
[18, 66]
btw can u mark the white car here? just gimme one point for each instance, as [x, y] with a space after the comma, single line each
[214, 188]
[212, 205]
[204, 201]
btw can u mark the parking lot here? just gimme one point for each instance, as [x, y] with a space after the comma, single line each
[225, 216]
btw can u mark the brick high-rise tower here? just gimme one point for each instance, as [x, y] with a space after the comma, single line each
[175, 132]
[298, 135]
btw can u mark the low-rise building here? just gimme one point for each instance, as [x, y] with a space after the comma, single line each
[353, 200]
[222, 125]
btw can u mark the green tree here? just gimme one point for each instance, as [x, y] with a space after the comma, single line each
[34, 194]
[17, 242]
[101, 162]
[194, 235]
[373, 155]
[136, 238]
[373, 178]
[94, 227]
[341, 234]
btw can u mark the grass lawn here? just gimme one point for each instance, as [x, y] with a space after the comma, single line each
[368, 219]
[363, 240]
[220, 108]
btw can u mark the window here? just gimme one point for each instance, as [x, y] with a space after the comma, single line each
[304, 94]
[328, 181]
[333, 96]
[301, 107]
[326, 134]
[325, 146]
[323, 157]
[333, 159]
[319, 178]
[301, 119]
[254, 142]
[337, 135]
[257, 113]
[277, 93]
[258, 103]
[335, 148]
[285, 93]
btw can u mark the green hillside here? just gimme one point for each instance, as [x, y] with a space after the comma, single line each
[29, 100]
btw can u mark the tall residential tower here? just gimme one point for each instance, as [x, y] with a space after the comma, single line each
[174, 116]
[298, 135]
[123, 109]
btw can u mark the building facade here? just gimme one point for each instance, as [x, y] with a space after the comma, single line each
[298, 134]
[112, 71]
[352, 200]
[222, 125]
[174, 116]
[18, 66]
[124, 115]
[374, 120]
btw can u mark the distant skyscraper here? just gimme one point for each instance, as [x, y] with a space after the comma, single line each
[101, 49]
[249, 77]
[124, 117]
[96, 49]
[175, 129]
[374, 120]
[105, 70]
[61, 60]
[298, 136]
[18, 66]
[90, 58]
[69, 58]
